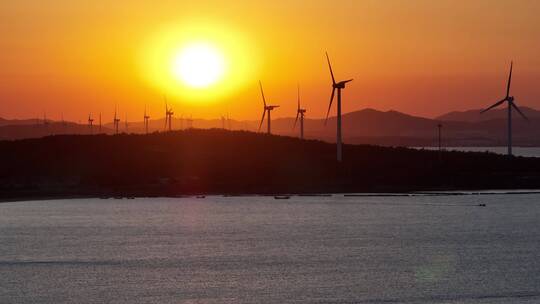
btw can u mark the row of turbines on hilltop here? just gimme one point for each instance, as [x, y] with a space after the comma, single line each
[337, 87]
[116, 121]
[300, 112]
[267, 110]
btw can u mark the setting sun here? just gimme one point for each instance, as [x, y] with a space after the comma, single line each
[199, 65]
[197, 62]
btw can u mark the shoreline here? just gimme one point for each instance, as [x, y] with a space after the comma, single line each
[344, 194]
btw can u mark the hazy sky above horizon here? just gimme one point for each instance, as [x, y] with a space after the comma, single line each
[420, 57]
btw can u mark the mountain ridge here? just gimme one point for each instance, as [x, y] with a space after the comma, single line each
[365, 126]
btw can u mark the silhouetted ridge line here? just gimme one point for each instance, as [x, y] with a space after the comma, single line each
[237, 162]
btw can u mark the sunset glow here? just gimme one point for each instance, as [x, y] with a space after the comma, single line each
[420, 57]
[197, 63]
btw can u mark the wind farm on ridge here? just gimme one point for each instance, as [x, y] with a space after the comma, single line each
[205, 149]
[337, 87]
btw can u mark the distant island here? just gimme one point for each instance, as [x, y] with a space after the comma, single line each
[218, 161]
[367, 126]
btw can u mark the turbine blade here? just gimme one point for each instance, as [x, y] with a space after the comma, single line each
[498, 103]
[296, 120]
[509, 80]
[262, 120]
[298, 94]
[330, 105]
[166, 107]
[330, 66]
[348, 80]
[518, 110]
[262, 93]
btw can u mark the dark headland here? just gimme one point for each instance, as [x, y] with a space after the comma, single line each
[236, 162]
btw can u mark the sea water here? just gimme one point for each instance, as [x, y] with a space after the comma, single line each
[256, 249]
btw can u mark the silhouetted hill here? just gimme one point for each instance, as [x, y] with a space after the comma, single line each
[218, 161]
[392, 128]
[368, 123]
[498, 113]
[19, 122]
[12, 132]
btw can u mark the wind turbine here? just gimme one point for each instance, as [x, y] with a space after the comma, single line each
[90, 123]
[300, 113]
[223, 122]
[146, 119]
[190, 122]
[336, 86]
[99, 122]
[267, 108]
[64, 124]
[168, 115]
[511, 104]
[116, 120]
[126, 124]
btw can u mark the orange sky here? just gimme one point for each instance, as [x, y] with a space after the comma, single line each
[420, 57]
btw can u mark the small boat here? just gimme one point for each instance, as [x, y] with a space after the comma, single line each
[282, 197]
[200, 196]
[481, 205]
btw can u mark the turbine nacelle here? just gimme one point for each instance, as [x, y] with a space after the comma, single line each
[341, 84]
[270, 108]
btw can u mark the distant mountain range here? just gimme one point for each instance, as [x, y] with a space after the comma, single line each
[475, 116]
[367, 126]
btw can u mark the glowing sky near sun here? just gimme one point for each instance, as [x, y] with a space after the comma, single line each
[422, 57]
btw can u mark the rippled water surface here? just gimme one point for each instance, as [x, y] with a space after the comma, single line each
[419, 249]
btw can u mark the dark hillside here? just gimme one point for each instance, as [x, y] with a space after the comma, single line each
[218, 161]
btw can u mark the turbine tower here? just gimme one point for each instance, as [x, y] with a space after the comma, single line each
[267, 108]
[146, 119]
[300, 113]
[126, 124]
[99, 122]
[511, 104]
[336, 86]
[116, 121]
[90, 123]
[168, 115]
